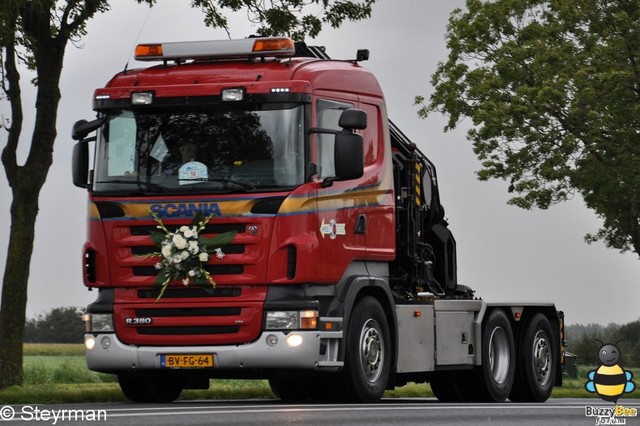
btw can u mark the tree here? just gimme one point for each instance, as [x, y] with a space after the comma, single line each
[629, 337]
[287, 17]
[34, 34]
[552, 88]
[59, 325]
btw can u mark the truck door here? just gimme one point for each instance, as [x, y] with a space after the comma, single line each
[339, 204]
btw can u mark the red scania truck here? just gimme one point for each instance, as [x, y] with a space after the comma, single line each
[341, 279]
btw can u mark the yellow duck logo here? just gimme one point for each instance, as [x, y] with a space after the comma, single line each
[610, 380]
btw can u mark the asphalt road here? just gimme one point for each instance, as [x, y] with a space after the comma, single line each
[270, 412]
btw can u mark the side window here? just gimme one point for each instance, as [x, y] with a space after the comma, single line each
[328, 115]
[122, 146]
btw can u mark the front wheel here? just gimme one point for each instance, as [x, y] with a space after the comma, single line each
[145, 388]
[367, 355]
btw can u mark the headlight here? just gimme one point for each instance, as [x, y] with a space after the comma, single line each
[98, 323]
[291, 320]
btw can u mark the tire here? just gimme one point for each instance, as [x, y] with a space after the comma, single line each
[367, 355]
[445, 386]
[537, 362]
[496, 375]
[291, 389]
[151, 388]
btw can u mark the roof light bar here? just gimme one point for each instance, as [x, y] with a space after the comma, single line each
[216, 49]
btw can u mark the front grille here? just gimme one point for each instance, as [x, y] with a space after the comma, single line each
[224, 315]
[187, 331]
[187, 293]
[151, 271]
[144, 250]
[217, 228]
[187, 312]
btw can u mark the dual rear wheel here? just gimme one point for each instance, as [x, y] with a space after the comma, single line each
[522, 370]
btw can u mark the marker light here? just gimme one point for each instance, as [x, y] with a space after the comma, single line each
[142, 98]
[273, 44]
[232, 95]
[308, 320]
[148, 51]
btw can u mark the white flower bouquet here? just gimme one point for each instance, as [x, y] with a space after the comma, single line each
[184, 253]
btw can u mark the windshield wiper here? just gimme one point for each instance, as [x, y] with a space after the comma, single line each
[244, 185]
[149, 185]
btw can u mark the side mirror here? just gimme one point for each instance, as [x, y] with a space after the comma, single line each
[83, 127]
[80, 164]
[353, 119]
[349, 156]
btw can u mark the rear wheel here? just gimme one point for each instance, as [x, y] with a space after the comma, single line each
[145, 388]
[537, 362]
[496, 374]
[367, 356]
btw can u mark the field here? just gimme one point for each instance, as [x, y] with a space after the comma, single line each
[56, 373]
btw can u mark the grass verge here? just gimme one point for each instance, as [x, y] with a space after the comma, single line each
[57, 373]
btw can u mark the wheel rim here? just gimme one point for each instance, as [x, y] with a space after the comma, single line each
[541, 358]
[371, 350]
[499, 355]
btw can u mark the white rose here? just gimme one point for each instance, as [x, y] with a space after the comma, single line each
[166, 250]
[183, 229]
[188, 233]
[192, 273]
[193, 247]
[179, 242]
[185, 282]
[203, 257]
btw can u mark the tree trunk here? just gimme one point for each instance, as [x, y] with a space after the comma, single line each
[24, 209]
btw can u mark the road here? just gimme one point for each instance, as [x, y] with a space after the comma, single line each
[419, 411]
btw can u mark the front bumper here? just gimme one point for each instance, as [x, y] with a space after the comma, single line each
[317, 351]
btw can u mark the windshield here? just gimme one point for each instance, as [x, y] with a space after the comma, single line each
[201, 150]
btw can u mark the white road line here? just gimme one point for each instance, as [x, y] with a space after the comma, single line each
[194, 410]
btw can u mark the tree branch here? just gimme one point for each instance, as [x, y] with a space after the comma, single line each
[13, 91]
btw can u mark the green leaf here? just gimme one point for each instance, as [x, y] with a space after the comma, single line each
[218, 241]
[164, 276]
[157, 237]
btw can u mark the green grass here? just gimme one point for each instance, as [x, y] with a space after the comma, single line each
[57, 373]
[54, 349]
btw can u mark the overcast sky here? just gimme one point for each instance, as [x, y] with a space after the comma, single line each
[504, 253]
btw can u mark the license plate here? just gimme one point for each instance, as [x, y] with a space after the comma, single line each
[186, 361]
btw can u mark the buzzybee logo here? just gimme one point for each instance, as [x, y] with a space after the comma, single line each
[610, 380]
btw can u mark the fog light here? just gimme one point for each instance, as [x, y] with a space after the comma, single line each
[294, 340]
[89, 342]
[272, 340]
[105, 342]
